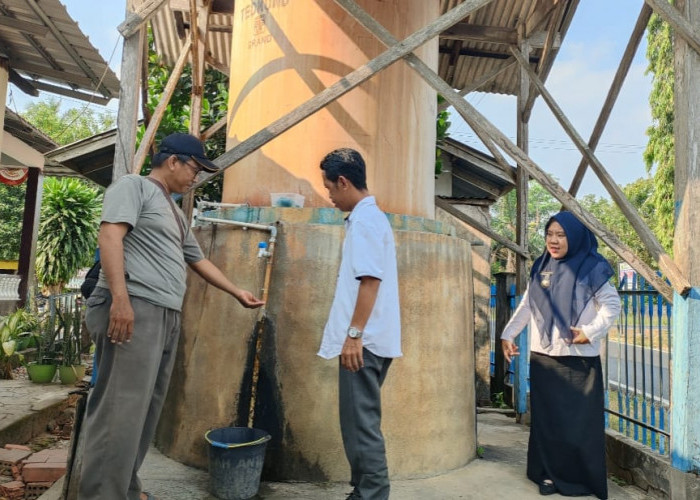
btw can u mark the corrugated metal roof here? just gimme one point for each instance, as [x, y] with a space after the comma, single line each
[461, 63]
[27, 133]
[47, 51]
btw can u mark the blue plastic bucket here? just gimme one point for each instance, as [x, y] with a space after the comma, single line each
[236, 457]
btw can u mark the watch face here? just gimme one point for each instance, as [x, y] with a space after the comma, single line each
[354, 333]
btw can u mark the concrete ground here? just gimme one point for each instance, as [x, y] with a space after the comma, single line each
[499, 474]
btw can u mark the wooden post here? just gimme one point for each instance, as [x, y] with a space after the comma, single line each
[477, 121]
[523, 140]
[685, 343]
[199, 22]
[504, 282]
[159, 112]
[30, 229]
[127, 114]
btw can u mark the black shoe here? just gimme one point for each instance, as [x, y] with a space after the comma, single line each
[547, 487]
[354, 496]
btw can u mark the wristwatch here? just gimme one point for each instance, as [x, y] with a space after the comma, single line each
[354, 333]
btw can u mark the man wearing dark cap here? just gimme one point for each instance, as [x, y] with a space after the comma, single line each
[133, 314]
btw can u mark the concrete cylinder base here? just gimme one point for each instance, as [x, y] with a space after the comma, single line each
[428, 397]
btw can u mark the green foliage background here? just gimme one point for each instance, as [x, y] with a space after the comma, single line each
[66, 127]
[177, 114]
[11, 211]
[659, 155]
[70, 212]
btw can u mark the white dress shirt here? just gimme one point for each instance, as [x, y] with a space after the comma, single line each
[595, 320]
[368, 250]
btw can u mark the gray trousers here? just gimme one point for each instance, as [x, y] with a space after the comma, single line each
[124, 406]
[360, 426]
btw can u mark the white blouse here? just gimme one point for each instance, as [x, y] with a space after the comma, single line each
[597, 317]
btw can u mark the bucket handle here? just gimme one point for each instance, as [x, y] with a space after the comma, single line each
[218, 444]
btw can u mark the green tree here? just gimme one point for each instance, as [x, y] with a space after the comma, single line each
[11, 210]
[177, 114]
[639, 194]
[659, 154]
[66, 127]
[68, 228]
[540, 207]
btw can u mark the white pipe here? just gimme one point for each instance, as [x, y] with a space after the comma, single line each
[248, 225]
[215, 204]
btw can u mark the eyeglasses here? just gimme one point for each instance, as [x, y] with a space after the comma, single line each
[194, 168]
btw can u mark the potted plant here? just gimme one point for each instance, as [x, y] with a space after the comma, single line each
[43, 369]
[15, 330]
[71, 369]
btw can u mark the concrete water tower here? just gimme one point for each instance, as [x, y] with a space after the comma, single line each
[284, 52]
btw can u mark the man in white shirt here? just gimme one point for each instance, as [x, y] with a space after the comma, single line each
[364, 324]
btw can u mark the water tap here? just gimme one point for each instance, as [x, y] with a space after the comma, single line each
[262, 250]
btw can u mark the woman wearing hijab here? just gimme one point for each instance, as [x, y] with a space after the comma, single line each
[569, 305]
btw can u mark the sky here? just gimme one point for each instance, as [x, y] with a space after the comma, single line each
[579, 81]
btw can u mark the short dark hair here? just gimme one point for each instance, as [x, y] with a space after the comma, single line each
[348, 163]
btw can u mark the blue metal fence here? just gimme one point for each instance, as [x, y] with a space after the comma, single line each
[636, 360]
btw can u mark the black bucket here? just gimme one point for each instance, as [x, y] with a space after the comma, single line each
[236, 457]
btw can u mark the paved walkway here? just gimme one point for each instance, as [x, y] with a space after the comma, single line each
[499, 474]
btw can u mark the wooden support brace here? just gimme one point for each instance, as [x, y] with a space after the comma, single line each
[213, 129]
[679, 282]
[680, 24]
[447, 207]
[481, 81]
[158, 113]
[424, 70]
[613, 93]
[135, 20]
[476, 119]
[343, 86]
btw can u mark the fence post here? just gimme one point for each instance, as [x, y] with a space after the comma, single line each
[522, 375]
[504, 282]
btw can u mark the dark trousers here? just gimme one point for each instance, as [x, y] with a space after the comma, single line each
[360, 425]
[125, 404]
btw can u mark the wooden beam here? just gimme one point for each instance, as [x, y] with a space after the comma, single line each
[495, 34]
[481, 81]
[30, 229]
[681, 26]
[55, 74]
[134, 20]
[507, 177]
[478, 33]
[76, 94]
[447, 207]
[428, 74]
[199, 22]
[343, 86]
[570, 203]
[158, 113]
[22, 83]
[24, 26]
[127, 122]
[522, 179]
[476, 119]
[613, 93]
[70, 49]
[208, 133]
[679, 282]
[493, 192]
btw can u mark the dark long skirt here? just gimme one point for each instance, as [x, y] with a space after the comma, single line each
[567, 435]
